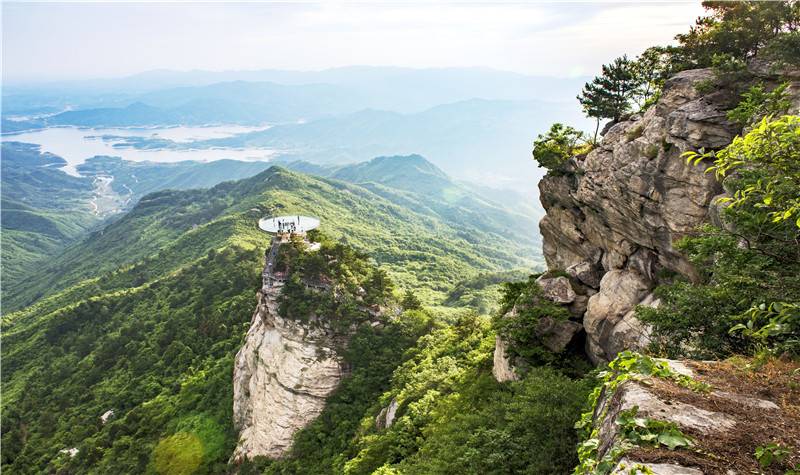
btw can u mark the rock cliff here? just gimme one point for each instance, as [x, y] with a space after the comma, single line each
[617, 212]
[282, 375]
[613, 216]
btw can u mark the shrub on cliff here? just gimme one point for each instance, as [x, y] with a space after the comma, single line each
[554, 148]
[518, 328]
[336, 283]
[765, 169]
[757, 103]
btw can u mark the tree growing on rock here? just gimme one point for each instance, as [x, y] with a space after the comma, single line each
[609, 95]
[650, 70]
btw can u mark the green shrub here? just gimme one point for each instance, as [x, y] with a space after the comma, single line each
[179, 454]
[757, 103]
[705, 86]
[784, 49]
[634, 132]
[553, 149]
[651, 151]
[519, 329]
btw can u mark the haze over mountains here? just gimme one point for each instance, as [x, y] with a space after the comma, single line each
[392, 88]
[475, 123]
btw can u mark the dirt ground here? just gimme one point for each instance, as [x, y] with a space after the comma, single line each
[777, 381]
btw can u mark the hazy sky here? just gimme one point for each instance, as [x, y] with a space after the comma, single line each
[48, 41]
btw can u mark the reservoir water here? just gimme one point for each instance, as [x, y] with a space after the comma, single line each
[76, 145]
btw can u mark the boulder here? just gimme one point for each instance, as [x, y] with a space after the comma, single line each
[627, 466]
[556, 334]
[610, 323]
[706, 418]
[556, 289]
[586, 273]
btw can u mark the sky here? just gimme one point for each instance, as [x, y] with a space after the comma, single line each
[47, 41]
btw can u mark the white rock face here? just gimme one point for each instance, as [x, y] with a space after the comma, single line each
[385, 418]
[107, 415]
[71, 452]
[282, 376]
[502, 369]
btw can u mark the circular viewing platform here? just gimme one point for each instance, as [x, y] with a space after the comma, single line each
[288, 224]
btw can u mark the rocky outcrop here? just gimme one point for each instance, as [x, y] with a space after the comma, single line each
[613, 218]
[502, 367]
[718, 422]
[610, 321]
[385, 418]
[558, 289]
[282, 375]
[554, 334]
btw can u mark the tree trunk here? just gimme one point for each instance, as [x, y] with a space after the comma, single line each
[596, 129]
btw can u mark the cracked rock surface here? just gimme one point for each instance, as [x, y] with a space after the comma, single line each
[282, 375]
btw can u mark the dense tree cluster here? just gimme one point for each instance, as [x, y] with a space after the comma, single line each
[335, 283]
[159, 356]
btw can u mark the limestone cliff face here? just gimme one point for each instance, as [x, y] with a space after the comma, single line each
[282, 375]
[613, 217]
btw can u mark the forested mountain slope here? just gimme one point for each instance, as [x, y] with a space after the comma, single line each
[43, 208]
[155, 305]
[419, 249]
[414, 182]
[40, 265]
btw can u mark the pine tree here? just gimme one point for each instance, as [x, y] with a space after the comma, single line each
[609, 95]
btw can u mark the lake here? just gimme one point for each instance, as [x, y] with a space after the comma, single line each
[76, 145]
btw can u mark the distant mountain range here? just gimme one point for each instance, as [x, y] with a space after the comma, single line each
[416, 183]
[476, 124]
[223, 103]
[483, 141]
[390, 88]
